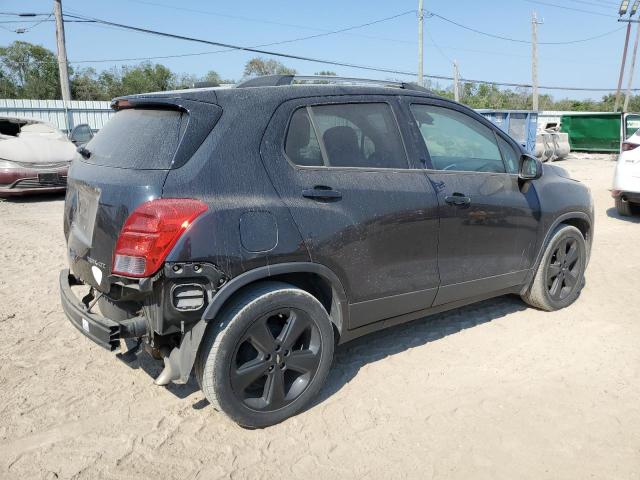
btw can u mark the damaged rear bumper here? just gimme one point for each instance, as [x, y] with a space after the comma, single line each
[103, 331]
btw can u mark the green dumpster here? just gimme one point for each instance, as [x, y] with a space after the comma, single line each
[597, 132]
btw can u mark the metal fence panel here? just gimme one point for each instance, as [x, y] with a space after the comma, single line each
[63, 115]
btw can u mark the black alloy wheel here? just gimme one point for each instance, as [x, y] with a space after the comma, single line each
[564, 269]
[276, 359]
[559, 278]
[267, 355]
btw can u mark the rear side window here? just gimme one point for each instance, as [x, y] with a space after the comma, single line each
[456, 141]
[302, 145]
[363, 135]
[138, 139]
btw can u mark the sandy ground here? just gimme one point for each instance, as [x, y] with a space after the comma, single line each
[496, 390]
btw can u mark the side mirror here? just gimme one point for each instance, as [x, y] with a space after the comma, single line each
[530, 168]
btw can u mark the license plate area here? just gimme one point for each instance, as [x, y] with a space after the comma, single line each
[49, 178]
[84, 216]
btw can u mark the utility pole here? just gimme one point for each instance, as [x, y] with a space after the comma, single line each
[624, 8]
[62, 51]
[631, 70]
[624, 61]
[534, 58]
[420, 42]
[456, 81]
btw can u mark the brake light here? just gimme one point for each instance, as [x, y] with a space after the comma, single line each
[150, 233]
[626, 146]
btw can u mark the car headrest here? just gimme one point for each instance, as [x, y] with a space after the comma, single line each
[341, 144]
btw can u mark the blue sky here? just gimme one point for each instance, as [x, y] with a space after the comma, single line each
[391, 44]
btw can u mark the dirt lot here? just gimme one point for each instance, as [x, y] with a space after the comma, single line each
[496, 390]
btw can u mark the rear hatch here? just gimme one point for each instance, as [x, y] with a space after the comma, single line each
[128, 162]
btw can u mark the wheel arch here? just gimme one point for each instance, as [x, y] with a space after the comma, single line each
[314, 278]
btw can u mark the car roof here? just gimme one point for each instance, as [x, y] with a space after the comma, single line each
[281, 93]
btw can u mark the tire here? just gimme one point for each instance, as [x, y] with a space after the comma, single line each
[559, 278]
[623, 207]
[272, 338]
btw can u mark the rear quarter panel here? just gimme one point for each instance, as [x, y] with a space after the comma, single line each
[226, 172]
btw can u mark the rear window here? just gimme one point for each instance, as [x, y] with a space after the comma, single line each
[139, 139]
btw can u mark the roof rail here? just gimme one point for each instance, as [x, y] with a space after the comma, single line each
[277, 80]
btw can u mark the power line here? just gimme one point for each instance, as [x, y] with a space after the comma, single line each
[24, 30]
[570, 8]
[333, 32]
[262, 20]
[281, 42]
[515, 40]
[604, 5]
[326, 62]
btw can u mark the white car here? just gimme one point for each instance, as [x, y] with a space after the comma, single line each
[626, 179]
[35, 156]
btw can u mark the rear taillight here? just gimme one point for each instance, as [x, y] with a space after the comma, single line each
[626, 146]
[150, 233]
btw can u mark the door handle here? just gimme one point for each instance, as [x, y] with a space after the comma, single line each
[320, 192]
[457, 199]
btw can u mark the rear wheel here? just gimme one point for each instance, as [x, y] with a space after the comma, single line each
[623, 207]
[560, 275]
[271, 357]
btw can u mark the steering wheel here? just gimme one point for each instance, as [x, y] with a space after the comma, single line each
[450, 167]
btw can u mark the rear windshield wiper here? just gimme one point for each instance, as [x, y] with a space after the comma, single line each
[84, 151]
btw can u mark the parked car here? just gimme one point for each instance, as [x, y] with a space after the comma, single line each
[35, 156]
[626, 179]
[246, 244]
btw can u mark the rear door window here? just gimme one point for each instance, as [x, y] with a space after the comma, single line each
[360, 135]
[302, 145]
[456, 141]
[143, 139]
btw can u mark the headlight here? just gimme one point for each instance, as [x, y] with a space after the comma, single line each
[7, 165]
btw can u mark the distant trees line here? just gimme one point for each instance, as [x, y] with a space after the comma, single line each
[31, 71]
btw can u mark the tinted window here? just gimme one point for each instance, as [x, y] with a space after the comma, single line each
[456, 141]
[510, 156]
[137, 138]
[302, 146]
[359, 135]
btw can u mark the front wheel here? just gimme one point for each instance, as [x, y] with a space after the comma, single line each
[271, 357]
[560, 275]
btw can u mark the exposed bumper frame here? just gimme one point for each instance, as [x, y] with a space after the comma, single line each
[103, 331]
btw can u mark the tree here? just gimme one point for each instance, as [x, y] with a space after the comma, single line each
[146, 77]
[8, 88]
[86, 85]
[259, 66]
[31, 69]
[325, 73]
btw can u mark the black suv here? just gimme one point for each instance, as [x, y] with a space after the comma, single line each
[244, 232]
